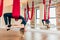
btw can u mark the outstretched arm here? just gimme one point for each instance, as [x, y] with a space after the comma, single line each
[23, 20]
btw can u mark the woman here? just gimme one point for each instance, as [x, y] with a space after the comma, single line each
[7, 19]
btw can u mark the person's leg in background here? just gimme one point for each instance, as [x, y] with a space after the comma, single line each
[47, 23]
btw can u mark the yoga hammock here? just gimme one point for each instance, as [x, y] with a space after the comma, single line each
[27, 10]
[25, 14]
[49, 9]
[46, 20]
[32, 11]
[1, 7]
[44, 2]
[16, 9]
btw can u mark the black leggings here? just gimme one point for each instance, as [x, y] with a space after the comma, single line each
[47, 21]
[8, 16]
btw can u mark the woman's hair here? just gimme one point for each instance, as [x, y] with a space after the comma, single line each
[22, 30]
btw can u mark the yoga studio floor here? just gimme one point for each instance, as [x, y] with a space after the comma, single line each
[17, 35]
[43, 34]
[10, 35]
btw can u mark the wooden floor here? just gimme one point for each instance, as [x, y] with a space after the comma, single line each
[17, 35]
[10, 35]
[41, 36]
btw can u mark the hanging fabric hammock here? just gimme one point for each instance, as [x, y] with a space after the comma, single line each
[49, 9]
[25, 15]
[1, 7]
[44, 2]
[32, 11]
[45, 19]
[27, 10]
[16, 8]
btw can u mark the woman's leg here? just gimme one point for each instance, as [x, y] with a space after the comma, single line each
[6, 19]
[43, 21]
[9, 21]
